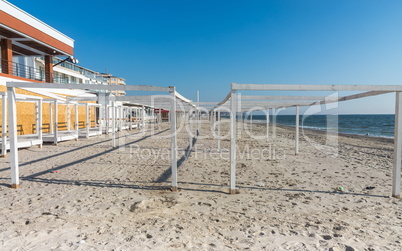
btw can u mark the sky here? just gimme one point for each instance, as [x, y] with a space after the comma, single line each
[206, 45]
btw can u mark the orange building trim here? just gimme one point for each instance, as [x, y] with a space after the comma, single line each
[25, 28]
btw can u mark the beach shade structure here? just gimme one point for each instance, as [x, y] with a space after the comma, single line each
[89, 130]
[174, 103]
[244, 103]
[25, 140]
[59, 131]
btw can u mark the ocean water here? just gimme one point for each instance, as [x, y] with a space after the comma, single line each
[375, 125]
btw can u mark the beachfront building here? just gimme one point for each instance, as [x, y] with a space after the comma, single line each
[113, 80]
[32, 51]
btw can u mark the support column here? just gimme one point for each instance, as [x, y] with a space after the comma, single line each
[173, 138]
[50, 118]
[219, 131]
[55, 125]
[233, 132]
[87, 120]
[120, 118]
[40, 122]
[143, 119]
[4, 125]
[100, 124]
[396, 171]
[49, 69]
[267, 121]
[7, 56]
[251, 122]
[114, 124]
[12, 117]
[131, 118]
[297, 131]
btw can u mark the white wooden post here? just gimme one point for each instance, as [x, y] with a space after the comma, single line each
[143, 119]
[233, 132]
[172, 114]
[113, 123]
[131, 118]
[50, 118]
[107, 115]
[160, 118]
[396, 172]
[56, 120]
[40, 122]
[4, 126]
[267, 121]
[87, 120]
[12, 117]
[188, 118]
[251, 122]
[121, 119]
[100, 124]
[297, 131]
[219, 130]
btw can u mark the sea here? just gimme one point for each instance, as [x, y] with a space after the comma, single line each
[374, 125]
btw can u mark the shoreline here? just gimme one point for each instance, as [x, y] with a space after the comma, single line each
[349, 135]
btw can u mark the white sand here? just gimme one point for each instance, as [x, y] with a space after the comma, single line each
[107, 199]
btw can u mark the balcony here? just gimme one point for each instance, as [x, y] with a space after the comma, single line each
[20, 70]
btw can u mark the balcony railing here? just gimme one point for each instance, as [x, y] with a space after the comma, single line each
[29, 72]
[20, 70]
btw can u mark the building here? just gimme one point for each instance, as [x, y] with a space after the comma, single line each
[113, 80]
[30, 50]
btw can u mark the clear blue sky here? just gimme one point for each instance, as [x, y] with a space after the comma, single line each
[206, 45]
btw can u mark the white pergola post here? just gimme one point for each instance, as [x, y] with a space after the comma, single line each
[101, 118]
[113, 123]
[87, 120]
[12, 117]
[40, 122]
[233, 132]
[55, 122]
[274, 124]
[143, 119]
[189, 132]
[219, 131]
[121, 115]
[251, 122]
[108, 118]
[396, 172]
[297, 131]
[172, 114]
[50, 118]
[160, 118]
[267, 121]
[131, 118]
[4, 126]
[137, 117]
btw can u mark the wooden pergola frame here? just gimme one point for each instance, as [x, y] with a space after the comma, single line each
[171, 105]
[240, 103]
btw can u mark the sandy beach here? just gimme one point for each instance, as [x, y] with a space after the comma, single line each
[85, 195]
